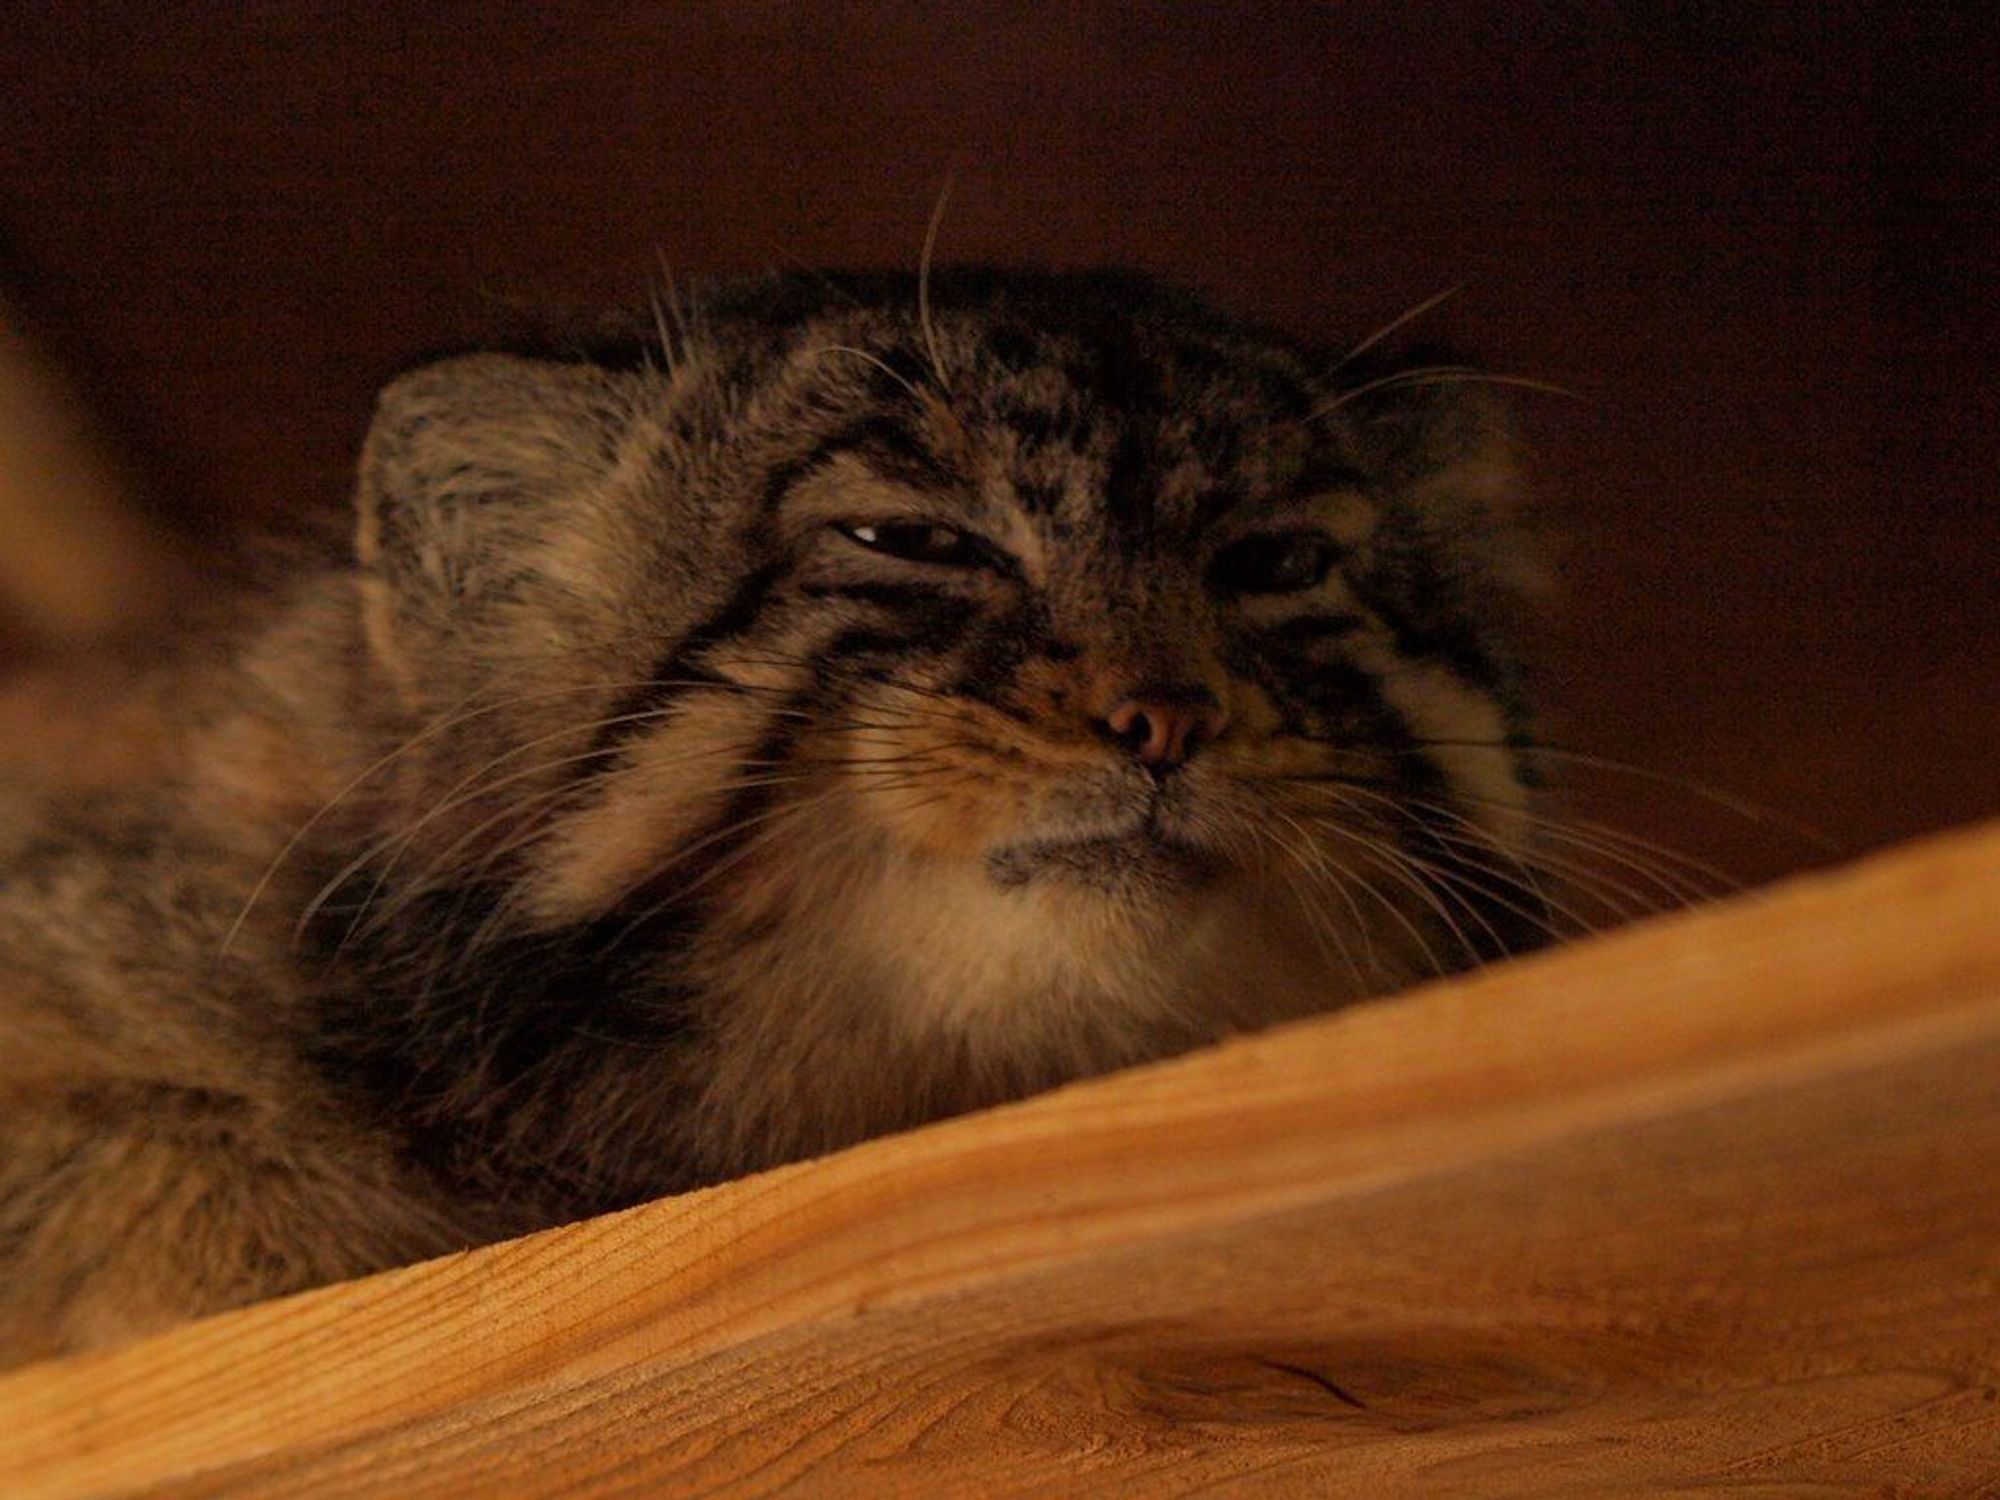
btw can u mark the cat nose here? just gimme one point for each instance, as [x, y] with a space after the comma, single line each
[1164, 727]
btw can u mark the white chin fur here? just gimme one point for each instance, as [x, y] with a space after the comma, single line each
[953, 952]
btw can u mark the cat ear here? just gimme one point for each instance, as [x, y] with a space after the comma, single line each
[465, 466]
[1438, 424]
[1445, 445]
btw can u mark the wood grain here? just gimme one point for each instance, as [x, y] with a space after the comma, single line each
[1703, 1206]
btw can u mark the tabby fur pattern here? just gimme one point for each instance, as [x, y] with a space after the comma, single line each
[854, 703]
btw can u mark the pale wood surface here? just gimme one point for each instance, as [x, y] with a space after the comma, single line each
[1707, 1206]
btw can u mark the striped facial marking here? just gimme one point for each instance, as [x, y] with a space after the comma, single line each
[1066, 602]
[956, 608]
[841, 707]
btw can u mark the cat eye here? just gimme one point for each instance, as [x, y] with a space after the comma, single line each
[1278, 562]
[918, 541]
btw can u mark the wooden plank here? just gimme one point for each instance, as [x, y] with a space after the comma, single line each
[1703, 1204]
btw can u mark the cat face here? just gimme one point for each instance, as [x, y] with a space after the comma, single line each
[1060, 637]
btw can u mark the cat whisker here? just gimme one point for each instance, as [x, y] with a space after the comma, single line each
[1416, 875]
[1568, 877]
[879, 363]
[674, 307]
[722, 867]
[1333, 874]
[522, 811]
[477, 784]
[1623, 896]
[841, 672]
[924, 320]
[1400, 321]
[457, 717]
[480, 783]
[1741, 807]
[1466, 859]
[1433, 375]
[1395, 912]
[1475, 847]
[1470, 839]
[1688, 878]
[1317, 921]
[665, 334]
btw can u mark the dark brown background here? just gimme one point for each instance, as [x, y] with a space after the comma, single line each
[1760, 238]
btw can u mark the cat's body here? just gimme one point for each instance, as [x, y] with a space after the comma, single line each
[836, 715]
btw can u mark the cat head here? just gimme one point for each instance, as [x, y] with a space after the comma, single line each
[1043, 626]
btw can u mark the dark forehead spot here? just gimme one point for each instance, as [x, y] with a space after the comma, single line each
[1284, 392]
[894, 371]
[1220, 444]
[1218, 502]
[1036, 426]
[894, 450]
[1323, 474]
[1125, 377]
[988, 667]
[1198, 359]
[1130, 483]
[1039, 499]
[1013, 348]
[885, 442]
